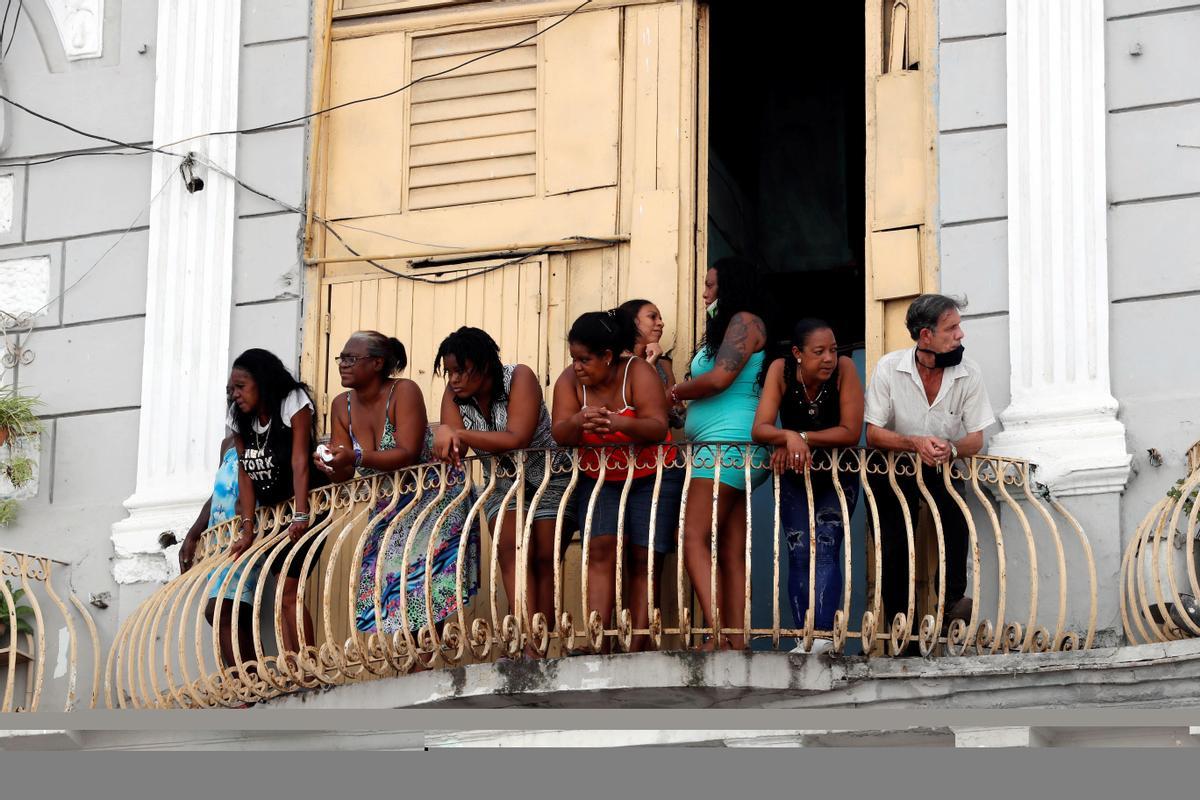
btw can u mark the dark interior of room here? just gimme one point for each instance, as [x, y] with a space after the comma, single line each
[787, 143]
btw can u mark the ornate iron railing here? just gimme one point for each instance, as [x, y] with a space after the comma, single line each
[32, 605]
[1028, 560]
[1159, 585]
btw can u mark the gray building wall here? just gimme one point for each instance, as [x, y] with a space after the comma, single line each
[1153, 103]
[88, 346]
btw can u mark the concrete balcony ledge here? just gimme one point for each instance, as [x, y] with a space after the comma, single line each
[1143, 676]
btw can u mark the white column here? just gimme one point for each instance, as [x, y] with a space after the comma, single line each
[189, 286]
[1063, 415]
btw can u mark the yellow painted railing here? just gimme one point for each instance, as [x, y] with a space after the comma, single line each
[1029, 565]
[32, 606]
[1159, 585]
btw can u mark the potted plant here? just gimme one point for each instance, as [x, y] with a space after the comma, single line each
[17, 420]
[17, 417]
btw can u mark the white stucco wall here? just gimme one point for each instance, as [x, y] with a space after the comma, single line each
[58, 219]
[1154, 260]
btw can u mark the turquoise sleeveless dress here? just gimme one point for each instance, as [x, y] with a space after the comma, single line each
[727, 417]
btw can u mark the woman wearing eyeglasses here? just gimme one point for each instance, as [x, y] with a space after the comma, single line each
[379, 425]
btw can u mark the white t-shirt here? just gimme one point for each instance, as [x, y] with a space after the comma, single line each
[296, 400]
[896, 399]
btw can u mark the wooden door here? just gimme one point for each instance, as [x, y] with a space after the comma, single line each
[901, 246]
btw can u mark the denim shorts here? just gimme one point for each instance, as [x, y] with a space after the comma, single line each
[637, 508]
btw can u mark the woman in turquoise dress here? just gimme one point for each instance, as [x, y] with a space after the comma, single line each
[722, 395]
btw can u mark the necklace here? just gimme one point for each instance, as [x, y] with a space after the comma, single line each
[812, 404]
[258, 436]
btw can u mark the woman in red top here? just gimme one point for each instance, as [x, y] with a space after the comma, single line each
[607, 398]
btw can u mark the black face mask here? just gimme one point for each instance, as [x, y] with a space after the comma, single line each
[943, 360]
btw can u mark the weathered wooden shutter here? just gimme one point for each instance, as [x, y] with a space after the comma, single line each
[900, 247]
[517, 146]
[583, 130]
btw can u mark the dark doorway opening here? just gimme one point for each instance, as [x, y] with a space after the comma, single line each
[787, 144]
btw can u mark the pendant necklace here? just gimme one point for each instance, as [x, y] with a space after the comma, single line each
[812, 404]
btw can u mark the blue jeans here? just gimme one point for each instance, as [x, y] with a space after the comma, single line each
[793, 520]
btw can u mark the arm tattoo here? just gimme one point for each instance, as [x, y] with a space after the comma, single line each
[735, 347]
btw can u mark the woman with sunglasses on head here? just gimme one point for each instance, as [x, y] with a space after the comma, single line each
[818, 399]
[607, 400]
[494, 408]
[379, 425]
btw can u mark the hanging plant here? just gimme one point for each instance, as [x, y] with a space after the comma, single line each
[17, 420]
[18, 415]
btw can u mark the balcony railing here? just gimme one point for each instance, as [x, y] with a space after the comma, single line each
[1159, 585]
[1029, 565]
[32, 605]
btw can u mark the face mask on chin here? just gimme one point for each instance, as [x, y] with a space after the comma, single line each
[711, 309]
[943, 360]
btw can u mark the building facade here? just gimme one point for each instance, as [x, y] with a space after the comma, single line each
[1038, 158]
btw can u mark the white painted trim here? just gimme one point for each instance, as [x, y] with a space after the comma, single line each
[80, 25]
[189, 288]
[1063, 415]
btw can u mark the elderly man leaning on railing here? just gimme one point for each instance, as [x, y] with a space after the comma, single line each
[929, 400]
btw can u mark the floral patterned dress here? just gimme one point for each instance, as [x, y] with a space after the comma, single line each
[446, 551]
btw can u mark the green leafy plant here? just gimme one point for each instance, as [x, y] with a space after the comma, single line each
[21, 612]
[18, 419]
[1177, 493]
[18, 415]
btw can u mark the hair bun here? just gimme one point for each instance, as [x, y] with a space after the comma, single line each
[398, 351]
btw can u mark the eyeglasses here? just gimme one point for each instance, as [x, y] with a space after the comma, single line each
[349, 361]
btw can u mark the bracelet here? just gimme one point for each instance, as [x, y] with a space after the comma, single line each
[674, 397]
[300, 517]
[804, 436]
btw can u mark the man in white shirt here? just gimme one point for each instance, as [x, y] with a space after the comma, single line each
[929, 400]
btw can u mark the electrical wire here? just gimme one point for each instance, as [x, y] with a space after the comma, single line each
[13, 33]
[14, 350]
[111, 247]
[98, 137]
[273, 125]
[4, 23]
[65, 156]
[390, 93]
[208, 162]
[404, 275]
